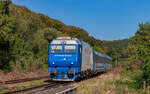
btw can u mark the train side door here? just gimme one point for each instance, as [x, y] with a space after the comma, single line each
[80, 57]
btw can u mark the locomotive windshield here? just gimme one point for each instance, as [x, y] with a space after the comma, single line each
[56, 49]
[70, 48]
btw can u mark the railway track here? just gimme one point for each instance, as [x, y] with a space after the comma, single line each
[24, 80]
[34, 89]
[12, 84]
[38, 88]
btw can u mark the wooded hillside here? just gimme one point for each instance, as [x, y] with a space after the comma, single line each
[25, 35]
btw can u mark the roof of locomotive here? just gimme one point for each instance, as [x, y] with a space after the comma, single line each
[66, 40]
[69, 40]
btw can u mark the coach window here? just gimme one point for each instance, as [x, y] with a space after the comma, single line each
[70, 48]
[80, 50]
[56, 49]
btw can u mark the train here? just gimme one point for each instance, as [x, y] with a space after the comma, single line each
[71, 59]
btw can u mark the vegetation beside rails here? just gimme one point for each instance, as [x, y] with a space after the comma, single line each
[113, 83]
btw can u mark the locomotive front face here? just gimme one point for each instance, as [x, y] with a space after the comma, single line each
[63, 61]
[63, 55]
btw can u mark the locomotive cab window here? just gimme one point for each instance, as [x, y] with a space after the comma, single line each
[56, 48]
[70, 48]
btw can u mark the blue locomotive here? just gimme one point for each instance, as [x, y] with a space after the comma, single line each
[71, 58]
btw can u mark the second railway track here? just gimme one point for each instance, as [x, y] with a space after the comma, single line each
[24, 80]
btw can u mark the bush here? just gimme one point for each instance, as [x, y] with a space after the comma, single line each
[146, 71]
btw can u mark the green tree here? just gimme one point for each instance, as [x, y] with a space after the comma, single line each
[142, 40]
[6, 35]
[141, 51]
[4, 7]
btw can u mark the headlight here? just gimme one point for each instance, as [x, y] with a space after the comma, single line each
[53, 63]
[71, 63]
[64, 59]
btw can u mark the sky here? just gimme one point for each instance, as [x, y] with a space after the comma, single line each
[103, 19]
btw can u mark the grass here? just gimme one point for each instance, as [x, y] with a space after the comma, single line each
[109, 83]
[124, 82]
[97, 85]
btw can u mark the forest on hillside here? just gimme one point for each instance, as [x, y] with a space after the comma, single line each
[133, 54]
[25, 35]
[117, 48]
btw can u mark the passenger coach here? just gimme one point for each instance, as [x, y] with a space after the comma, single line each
[71, 58]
